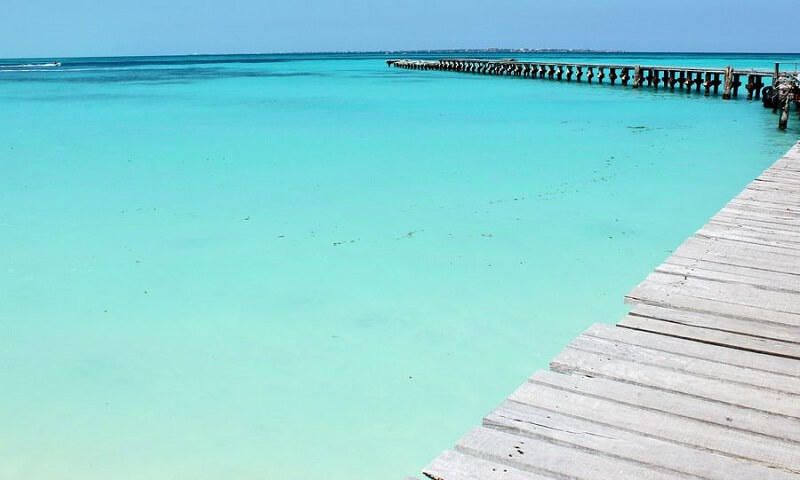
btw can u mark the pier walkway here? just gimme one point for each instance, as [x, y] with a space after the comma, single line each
[781, 93]
[701, 380]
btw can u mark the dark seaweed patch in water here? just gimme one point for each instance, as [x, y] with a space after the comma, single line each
[149, 75]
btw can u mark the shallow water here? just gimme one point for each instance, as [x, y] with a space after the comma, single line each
[312, 266]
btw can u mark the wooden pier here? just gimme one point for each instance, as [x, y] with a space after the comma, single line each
[780, 93]
[701, 380]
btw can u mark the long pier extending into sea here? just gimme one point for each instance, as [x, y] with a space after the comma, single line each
[782, 91]
[701, 380]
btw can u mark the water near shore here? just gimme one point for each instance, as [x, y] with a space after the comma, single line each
[312, 266]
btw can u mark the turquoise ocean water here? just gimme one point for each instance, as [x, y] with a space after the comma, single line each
[316, 267]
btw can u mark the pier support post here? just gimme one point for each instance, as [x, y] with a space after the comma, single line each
[681, 79]
[569, 73]
[612, 75]
[579, 75]
[625, 76]
[600, 74]
[560, 72]
[726, 90]
[784, 120]
[707, 84]
[637, 76]
[590, 74]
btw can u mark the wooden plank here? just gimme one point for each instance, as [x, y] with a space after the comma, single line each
[786, 368]
[754, 328]
[745, 274]
[452, 465]
[752, 213]
[752, 424]
[571, 360]
[742, 254]
[693, 365]
[713, 337]
[694, 304]
[757, 278]
[546, 458]
[526, 420]
[660, 425]
[732, 293]
[741, 220]
[763, 231]
[767, 205]
[786, 177]
[766, 196]
[785, 207]
[761, 209]
[741, 233]
[783, 185]
[773, 188]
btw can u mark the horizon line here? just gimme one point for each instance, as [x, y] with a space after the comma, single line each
[412, 51]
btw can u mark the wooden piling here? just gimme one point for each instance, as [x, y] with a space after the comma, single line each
[784, 119]
[637, 76]
[726, 91]
[625, 76]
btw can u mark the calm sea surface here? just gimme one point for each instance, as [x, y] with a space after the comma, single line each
[314, 267]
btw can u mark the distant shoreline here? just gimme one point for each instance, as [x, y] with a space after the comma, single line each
[445, 51]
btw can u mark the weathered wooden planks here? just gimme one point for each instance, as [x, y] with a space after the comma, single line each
[700, 380]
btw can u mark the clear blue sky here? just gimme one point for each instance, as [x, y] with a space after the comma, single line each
[51, 28]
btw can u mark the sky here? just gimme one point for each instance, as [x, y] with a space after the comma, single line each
[59, 28]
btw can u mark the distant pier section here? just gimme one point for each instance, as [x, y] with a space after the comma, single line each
[782, 91]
